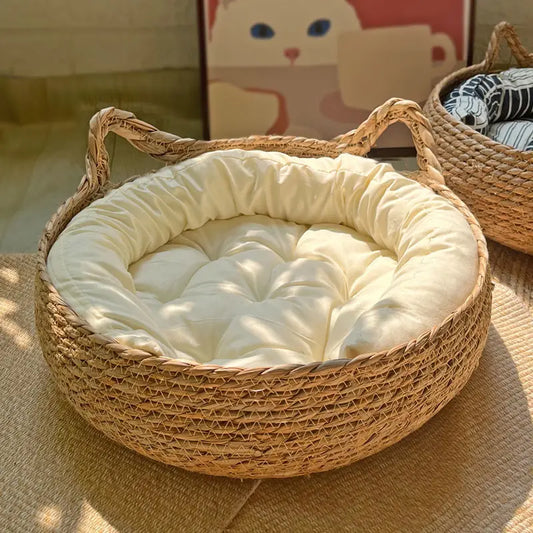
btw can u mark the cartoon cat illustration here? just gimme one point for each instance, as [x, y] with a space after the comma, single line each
[297, 67]
[278, 33]
[281, 57]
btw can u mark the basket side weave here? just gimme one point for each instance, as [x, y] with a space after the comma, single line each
[494, 180]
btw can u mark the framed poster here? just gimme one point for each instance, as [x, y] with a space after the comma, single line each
[317, 68]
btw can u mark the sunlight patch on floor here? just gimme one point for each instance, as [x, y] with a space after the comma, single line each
[19, 335]
[10, 275]
[49, 517]
[91, 520]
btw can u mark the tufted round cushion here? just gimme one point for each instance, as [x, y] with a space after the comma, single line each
[250, 259]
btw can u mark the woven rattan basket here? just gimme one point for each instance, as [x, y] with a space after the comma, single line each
[262, 422]
[494, 180]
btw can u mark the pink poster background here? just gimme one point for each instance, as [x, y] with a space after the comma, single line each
[305, 99]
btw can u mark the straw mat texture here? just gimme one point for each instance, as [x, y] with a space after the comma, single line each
[468, 469]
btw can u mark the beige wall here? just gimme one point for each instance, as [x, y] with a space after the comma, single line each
[41, 38]
[490, 12]
[65, 37]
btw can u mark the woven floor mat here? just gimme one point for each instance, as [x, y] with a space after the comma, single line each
[514, 270]
[468, 469]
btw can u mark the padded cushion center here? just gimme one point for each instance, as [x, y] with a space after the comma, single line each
[264, 290]
[252, 259]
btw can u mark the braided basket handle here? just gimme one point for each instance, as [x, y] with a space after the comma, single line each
[359, 141]
[142, 135]
[507, 32]
[169, 147]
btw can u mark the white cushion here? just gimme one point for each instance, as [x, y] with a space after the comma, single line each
[330, 254]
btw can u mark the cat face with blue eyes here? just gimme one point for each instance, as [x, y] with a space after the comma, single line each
[279, 32]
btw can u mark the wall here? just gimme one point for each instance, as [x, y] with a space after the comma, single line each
[56, 55]
[490, 12]
[67, 37]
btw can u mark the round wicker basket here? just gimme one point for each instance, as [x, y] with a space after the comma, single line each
[494, 180]
[261, 422]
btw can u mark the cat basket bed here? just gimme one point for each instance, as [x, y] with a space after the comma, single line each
[493, 179]
[263, 306]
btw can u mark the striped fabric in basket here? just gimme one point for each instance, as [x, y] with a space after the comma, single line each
[497, 105]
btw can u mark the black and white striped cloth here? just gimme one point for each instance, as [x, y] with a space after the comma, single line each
[499, 106]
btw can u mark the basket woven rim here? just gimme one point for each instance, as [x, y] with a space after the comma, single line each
[172, 364]
[451, 81]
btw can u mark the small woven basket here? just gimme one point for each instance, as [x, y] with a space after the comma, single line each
[494, 180]
[262, 422]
